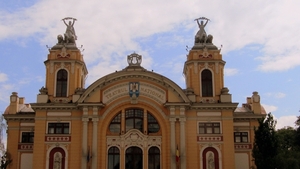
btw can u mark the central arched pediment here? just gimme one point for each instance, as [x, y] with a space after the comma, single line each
[130, 83]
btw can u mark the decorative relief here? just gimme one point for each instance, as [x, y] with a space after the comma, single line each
[124, 89]
[25, 146]
[209, 138]
[61, 100]
[242, 146]
[134, 138]
[63, 53]
[208, 100]
[57, 138]
[205, 54]
[134, 59]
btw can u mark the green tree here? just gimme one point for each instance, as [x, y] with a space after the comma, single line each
[265, 146]
[288, 155]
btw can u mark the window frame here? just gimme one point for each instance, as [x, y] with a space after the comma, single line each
[135, 118]
[27, 137]
[58, 127]
[60, 86]
[213, 127]
[241, 136]
[207, 83]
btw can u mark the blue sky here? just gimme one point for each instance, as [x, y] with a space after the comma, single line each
[260, 42]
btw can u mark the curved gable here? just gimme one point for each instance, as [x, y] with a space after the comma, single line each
[119, 84]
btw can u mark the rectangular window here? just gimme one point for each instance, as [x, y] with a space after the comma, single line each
[241, 137]
[58, 128]
[27, 137]
[209, 128]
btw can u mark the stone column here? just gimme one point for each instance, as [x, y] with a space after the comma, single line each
[182, 144]
[172, 120]
[84, 137]
[182, 139]
[95, 138]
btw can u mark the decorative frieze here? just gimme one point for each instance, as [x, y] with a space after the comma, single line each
[209, 138]
[243, 146]
[144, 89]
[134, 138]
[57, 138]
[25, 146]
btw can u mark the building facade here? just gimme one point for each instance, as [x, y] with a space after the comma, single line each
[132, 118]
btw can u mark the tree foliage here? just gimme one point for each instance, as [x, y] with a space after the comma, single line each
[265, 146]
[276, 149]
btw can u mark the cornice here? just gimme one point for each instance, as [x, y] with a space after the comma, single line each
[214, 106]
[54, 106]
[20, 116]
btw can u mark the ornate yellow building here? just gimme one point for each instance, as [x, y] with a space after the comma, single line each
[132, 118]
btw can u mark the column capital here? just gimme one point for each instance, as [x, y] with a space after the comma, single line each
[172, 119]
[85, 119]
[95, 119]
[182, 119]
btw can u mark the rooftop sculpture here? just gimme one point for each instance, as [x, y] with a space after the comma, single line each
[201, 36]
[70, 35]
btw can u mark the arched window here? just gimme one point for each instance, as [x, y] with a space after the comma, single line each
[113, 158]
[153, 158]
[153, 126]
[134, 158]
[134, 119]
[57, 158]
[61, 83]
[210, 158]
[206, 83]
[115, 124]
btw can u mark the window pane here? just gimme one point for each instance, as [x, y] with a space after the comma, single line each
[217, 130]
[114, 128]
[129, 124]
[245, 139]
[238, 139]
[209, 130]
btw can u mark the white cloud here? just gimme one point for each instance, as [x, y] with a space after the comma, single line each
[269, 108]
[5, 92]
[285, 121]
[109, 28]
[3, 77]
[277, 95]
[230, 71]
[280, 95]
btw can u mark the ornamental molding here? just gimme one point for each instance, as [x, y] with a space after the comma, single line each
[124, 89]
[57, 138]
[134, 138]
[209, 138]
[25, 146]
[243, 146]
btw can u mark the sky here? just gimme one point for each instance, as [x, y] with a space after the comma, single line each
[259, 41]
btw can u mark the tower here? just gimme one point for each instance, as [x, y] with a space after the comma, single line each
[204, 70]
[65, 69]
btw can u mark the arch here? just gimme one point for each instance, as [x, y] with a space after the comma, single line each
[57, 158]
[114, 109]
[154, 158]
[143, 75]
[113, 158]
[61, 83]
[207, 83]
[134, 158]
[206, 152]
[60, 148]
